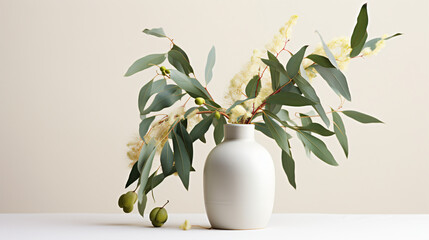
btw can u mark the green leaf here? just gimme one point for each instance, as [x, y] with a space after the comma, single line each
[340, 132]
[290, 99]
[358, 49]
[154, 181]
[144, 176]
[361, 117]
[262, 127]
[190, 85]
[318, 147]
[167, 159]
[144, 95]
[295, 61]
[181, 159]
[289, 168]
[310, 93]
[284, 115]
[201, 128]
[141, 205]
[167, 97]
[336, 80]
[274, 63]
[218, 132]
[316, 128]
[278, 133]
[211, 58]
[144, 126]
[359, 33]
[145, 62]
[157, 32]
[274, 108]
[373, 42]
[145, 152]
[178, 58]
[305, 120]
[148, 90]
[253, 87]
[321, 60]
[187, 140]
[328, 52]
[134, 175]
[237, 103]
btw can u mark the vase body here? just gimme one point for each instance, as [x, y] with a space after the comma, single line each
[239, 181]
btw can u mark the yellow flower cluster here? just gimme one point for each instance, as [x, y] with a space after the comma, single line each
[134, 150]
[254, 67]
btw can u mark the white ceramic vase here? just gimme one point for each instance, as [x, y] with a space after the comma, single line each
[239, 181]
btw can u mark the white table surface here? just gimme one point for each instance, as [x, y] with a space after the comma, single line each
[282, 226]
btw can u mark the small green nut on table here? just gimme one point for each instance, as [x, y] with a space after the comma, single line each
[126, 201]
[200, 101]
[158, 216]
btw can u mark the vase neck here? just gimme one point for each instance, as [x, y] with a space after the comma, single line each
[239, 131]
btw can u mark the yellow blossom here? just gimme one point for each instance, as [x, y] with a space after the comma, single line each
[237, 112]
[186, 225]
[133, 153]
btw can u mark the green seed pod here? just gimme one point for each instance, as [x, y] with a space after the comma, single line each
[157, 224]
[161, 216]
[167, 71]
[200, 101]
[121, 201]
[162, 68]
[217, 115]
[128, 209]
[153, 213]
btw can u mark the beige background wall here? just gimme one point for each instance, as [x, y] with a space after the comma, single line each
[67, 111]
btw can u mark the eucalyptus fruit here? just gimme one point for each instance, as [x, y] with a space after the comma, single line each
[217, 115]
[164, 70]
[158, 216]
[200, 101]
[126, 201]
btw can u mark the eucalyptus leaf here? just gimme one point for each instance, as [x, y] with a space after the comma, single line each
[361, 117]
[145, 152]
[141, 205]
[201, 128]
[166, 98]
[278, 133]
[295, 61]
[372, 44]
[305, 120]
[290, 99]
[145, 175]
[181, 159]
[316, 128]
[321, 60]
[157, 32]
[144, 126]
[133, 176]
[274, 63]
[167, 159]
[274, 108]
[328, 52]
[262, 127]
[253, 87]
[318, 147]
[211, 59]
[153, 181]
[359, 33]
[336, 80]
[144, 95]
[178, 58]
[186, 83]
[187, 140]
[218, 132]
[289, 168]
[145, 62]
[340, 132]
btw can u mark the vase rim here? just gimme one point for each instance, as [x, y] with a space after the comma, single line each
[239, 131]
